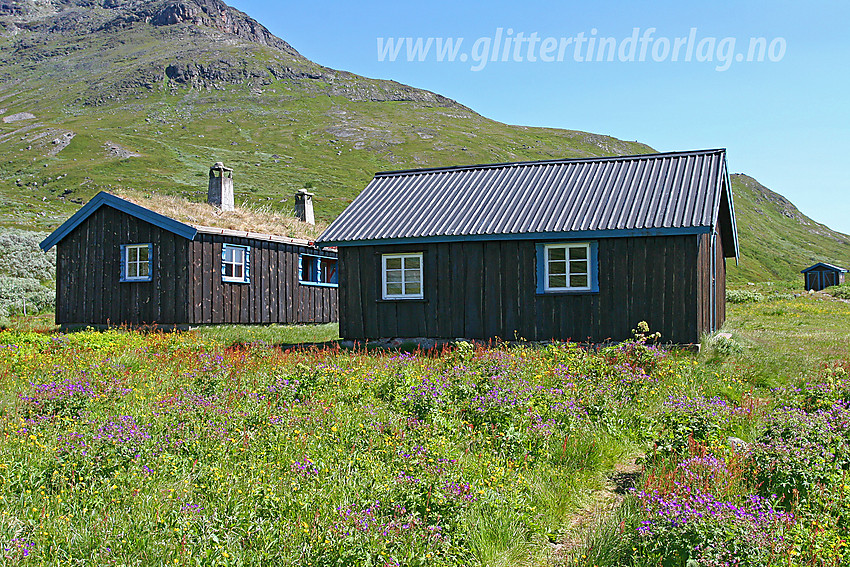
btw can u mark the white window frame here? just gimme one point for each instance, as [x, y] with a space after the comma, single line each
[245, 263]
[566, 246]
[402, 295]
[126, 250]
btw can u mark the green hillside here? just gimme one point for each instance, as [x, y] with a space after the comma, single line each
[145, 95]
[776, 239]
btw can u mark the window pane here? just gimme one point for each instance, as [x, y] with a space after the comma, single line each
[557, 268]
[393, 276]
[578, 253]
[393, 263]
[132, 270]
[143, 253]
[228, 254]
[578, 267]
[228, 270]
[394, 288]
[238, 255]
[412, 276]
[143, 269]
[412, 288]
[411, 262]
[557, 254]
[578, 281]
[237, 271]
[557, 281]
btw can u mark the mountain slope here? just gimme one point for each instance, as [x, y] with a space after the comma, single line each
[776, 239]
[140, 95]
[121, 99]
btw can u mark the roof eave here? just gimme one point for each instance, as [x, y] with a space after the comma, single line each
[104, 198]
[570, 235]
[726, 188]
[824, 265]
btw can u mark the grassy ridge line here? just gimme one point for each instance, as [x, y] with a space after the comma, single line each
[306, 125]
[776, 239]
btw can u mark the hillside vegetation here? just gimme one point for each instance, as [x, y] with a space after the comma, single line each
[132, 95]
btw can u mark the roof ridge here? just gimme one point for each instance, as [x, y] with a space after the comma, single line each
[472, 167]
[251, 234]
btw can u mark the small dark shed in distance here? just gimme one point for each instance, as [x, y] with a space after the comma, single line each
[120, 263]
[823, 275]
[579, 249]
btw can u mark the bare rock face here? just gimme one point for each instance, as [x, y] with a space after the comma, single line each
[206, 45]
[81, 16]
[217, 15]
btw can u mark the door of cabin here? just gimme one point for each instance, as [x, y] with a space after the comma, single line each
[829, 278]
[813, 280]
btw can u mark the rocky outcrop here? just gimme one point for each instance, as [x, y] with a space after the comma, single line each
[206, 45]
[764, 195]
[82, 16]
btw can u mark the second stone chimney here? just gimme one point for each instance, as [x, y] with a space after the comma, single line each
[220, 192]
[304, 206]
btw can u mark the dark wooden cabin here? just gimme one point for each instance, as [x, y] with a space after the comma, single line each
[822, 275]
[579, 249]
[120, 263]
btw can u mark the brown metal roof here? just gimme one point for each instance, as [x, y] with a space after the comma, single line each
[669, 192]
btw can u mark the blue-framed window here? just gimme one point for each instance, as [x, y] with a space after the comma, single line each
[235, 263]
[568, 267]
[136, 262]
[317, 270]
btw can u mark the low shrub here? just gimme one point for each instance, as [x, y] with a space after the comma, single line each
[724, 345]
[840, 291]
[743, 296]
[24, 295]
[21, 257]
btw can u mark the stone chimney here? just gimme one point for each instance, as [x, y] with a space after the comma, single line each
[304, 206]
[220, 192]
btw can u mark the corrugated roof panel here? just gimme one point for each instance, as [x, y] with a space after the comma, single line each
[643, 192]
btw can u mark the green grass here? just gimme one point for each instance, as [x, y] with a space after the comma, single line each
[783, 352]
[213, 447]
[269, 334]
[840, 291]
[245, 454]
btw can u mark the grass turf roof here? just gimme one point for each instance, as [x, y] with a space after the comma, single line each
[261, 220]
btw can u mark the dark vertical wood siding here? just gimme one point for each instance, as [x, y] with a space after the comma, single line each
[489, 289]
[186, 287]
[720, 266]
[88, 286]
[703, 297]
[822, 277]
[274, 294]
[705, 262]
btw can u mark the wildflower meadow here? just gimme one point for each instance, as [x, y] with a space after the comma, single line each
[135, 448]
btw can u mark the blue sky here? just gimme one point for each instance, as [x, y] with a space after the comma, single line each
[784, 120]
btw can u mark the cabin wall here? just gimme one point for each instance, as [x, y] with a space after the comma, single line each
[186, 286]
[720, 300]
[274, 294]
[88, 266]
[488, 289]
[711, 264]
[822, 277]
